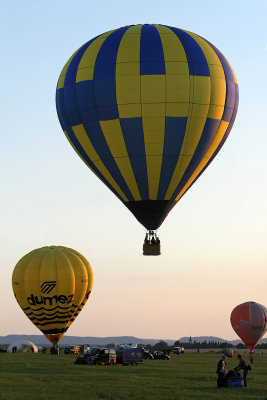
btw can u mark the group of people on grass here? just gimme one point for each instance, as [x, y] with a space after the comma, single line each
[224, 375]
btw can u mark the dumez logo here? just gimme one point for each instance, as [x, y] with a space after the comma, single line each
[47, 286]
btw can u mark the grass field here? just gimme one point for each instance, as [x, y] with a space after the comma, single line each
[185, 377]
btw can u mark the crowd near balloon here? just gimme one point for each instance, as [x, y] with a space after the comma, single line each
[147, 108]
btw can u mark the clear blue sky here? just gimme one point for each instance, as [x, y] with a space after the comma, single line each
[214, 253]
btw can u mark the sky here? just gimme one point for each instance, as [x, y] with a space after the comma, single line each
[214, 252]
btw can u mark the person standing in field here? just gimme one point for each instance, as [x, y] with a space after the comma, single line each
[221, 371]
[244, 366]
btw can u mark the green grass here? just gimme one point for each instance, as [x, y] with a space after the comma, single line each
[185, 377]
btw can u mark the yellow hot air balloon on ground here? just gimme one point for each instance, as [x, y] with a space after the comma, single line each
[51, 285]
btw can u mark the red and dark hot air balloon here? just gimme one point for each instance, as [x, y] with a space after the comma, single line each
[249, 321]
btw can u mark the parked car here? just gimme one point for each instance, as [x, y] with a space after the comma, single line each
[228, 353]
[178, 350]
[130, 356]
[97, 356]
[148, 355]
[84, 348]
[160, 355]
[88, 356]
[72, 350]
[2, 350]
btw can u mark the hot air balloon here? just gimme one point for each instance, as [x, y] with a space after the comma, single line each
[51, 285]
[249, 321]
[147, 108]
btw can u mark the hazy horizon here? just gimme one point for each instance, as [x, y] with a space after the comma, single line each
[126, 336]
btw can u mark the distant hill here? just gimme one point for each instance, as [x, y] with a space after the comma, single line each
[93, 341]
[102, 341]
[201, 339]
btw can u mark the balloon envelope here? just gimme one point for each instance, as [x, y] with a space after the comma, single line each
[147, 108]
[23, 346]
[51, 285]
[249, 321]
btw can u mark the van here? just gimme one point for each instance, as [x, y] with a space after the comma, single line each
[106, 356]
[96, 356]
[130, 356]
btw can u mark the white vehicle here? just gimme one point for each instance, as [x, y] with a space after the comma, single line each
[178, 350]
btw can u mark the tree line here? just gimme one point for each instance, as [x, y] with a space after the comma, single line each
[162, 345]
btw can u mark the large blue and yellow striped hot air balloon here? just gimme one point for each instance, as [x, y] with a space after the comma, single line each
[147, 108]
